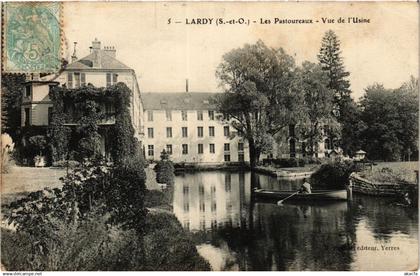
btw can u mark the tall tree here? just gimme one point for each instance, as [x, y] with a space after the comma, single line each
[261, 93]
[318, 101]
[390, 120]
[331, 61]
[11, 99]
[351, 125]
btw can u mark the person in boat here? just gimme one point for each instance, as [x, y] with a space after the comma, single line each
[305, 188]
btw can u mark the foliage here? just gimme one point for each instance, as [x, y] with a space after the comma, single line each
[123, 142]
[6, 160]
[168, 247]
[38, 143]
[334, 175]
[11, 99]
[85, 107]
[156, 198]
[165, 169]
[125, 194]
[318, 103]
[66, 164]
[93, 185]
[332, 63]
[350, 128]
[389, 122]
[89, 246]
[286, 162]
[261, 94]
[93, 245]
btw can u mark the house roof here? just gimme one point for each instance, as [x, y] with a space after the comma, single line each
[106, 62]
[178, 101]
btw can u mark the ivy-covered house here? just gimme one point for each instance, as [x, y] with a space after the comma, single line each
[85, 103]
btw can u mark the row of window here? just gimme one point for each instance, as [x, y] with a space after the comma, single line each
[184, 131]
[78, 79]
[200, 150]
[214, 224]
[184, 115]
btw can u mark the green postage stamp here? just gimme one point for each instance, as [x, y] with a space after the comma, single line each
[31, 37]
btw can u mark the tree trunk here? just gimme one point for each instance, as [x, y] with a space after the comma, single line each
[253, 154]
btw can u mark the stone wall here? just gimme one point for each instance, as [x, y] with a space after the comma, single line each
[364, 186]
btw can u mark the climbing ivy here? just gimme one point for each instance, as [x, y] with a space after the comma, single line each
[75, 129]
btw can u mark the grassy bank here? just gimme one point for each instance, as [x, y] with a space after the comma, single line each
[29, 179]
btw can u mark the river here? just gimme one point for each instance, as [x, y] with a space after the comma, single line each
[235, 233]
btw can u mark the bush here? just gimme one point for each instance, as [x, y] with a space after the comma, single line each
[92, 246]
[65, 164]
[334, 175]
[168, 247]
[6, 160]
[89, 246]
[165, 172]
[312, 160]
[155, 198]
[286, 162]
[125, 194]
[164, 169]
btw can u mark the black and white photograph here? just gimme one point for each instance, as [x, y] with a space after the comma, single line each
[209, 136]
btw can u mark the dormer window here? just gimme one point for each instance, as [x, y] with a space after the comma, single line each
[28, 90]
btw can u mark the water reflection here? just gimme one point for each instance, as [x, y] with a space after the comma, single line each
[235, 233]
[205, 201]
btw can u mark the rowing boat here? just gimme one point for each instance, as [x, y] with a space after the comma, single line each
[316, 195]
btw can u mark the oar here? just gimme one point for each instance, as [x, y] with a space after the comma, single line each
[280, 202]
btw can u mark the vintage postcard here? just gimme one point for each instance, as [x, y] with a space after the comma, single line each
[209, 136]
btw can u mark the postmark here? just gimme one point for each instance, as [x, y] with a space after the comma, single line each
[32, 37]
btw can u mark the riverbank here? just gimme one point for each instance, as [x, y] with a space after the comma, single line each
[297, 172]
[197, 167]
[166, 244]
[362, 185]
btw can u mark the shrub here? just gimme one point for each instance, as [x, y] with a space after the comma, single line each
[88, 246]
[168, 247]
[158, 199]
[65, 164]
[165, 172]
[312, 160]
[125, 194]
[38, 143]
[334, 175]
[6, 160]
[165, 169]
[286, 162]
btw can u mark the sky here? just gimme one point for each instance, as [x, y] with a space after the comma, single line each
[163, 55]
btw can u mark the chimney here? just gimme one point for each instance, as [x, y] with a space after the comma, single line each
[186, 85]
[74, 57]
[110, 51]
[96, 47]
[96, 44]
